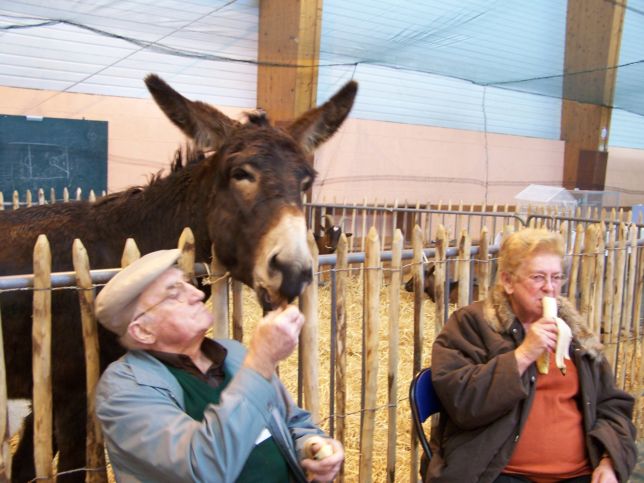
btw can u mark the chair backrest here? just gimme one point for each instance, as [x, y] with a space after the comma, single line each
[424, 402]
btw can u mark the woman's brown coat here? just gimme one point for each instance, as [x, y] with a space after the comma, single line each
[486, 402]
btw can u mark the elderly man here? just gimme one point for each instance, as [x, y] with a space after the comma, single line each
[182, 407]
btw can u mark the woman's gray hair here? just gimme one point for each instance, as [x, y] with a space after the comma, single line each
[524, 244]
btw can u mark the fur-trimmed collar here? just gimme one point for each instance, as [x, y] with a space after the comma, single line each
[499, 315]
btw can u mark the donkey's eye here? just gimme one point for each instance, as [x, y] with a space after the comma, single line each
[240, 174]
[306, 183]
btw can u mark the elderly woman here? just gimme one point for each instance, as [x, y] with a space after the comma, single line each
[503, 421]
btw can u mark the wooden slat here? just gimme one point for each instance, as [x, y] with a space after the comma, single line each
[598, 282]
[609, 291]
[41, 360]
[576, 261]
[626, 343]
[464, 246]
[219, 297]
[620, 269]
[371, 321]
[342, 267]
[483, 258]
[439, 277]
[5, 437]
[187, 259]
[94, 449]
[130, 254]
[238, 310]
[394, 356]
[309, 337]
[418, 270]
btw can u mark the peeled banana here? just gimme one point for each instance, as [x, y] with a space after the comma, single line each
[564, 337]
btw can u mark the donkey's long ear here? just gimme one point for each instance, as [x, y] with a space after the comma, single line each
[204, 124]
[317, 125]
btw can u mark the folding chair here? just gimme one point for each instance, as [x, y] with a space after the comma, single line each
[424, 402]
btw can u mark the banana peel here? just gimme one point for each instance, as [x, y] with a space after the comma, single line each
[564, 338]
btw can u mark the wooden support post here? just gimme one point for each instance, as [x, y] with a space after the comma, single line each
[288, 53]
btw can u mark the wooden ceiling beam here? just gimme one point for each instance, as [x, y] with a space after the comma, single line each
[593, 37]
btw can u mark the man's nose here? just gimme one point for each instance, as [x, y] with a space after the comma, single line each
[194, 294]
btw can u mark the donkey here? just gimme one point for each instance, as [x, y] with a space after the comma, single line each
[245, 197]
[327, 235]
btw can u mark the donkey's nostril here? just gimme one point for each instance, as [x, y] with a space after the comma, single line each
[274, 263]
[307, 276]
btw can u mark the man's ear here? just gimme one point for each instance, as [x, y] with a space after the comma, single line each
[142, 333]
[508, 283]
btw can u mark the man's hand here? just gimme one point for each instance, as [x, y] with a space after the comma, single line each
[274, 339]
[540, 336]
[604, 473]
[325, 469]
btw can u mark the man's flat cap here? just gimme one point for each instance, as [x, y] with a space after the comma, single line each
[115, 304]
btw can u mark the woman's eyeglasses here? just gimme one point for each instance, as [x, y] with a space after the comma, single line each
[540, 279]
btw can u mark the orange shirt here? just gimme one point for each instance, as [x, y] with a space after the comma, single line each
[552, 445]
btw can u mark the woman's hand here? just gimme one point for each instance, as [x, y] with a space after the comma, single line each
[541, 336]
[604, 473]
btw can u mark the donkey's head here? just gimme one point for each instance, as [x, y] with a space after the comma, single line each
[255, 180]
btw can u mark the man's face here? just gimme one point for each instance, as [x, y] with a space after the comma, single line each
[174, 311]
[538, 276]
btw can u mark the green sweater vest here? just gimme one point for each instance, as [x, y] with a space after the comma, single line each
[265, 463]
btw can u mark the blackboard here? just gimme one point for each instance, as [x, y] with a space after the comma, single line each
[50, 153]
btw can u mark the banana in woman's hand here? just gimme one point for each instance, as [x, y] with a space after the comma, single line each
[564, 337]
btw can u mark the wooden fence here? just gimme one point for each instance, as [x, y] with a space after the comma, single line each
[387, 217]
[41, 198]
[606, 273]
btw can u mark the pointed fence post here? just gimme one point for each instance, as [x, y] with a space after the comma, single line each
[187, 259]
[464, 246]
[219, 297]
[309, 338]
[372, 282]
[342, 267]
[130, 254]
[5, 437]
[394, 356]
[439, 277]
[483, 261]
[41, 360]
[94, 449]
[418, 269]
